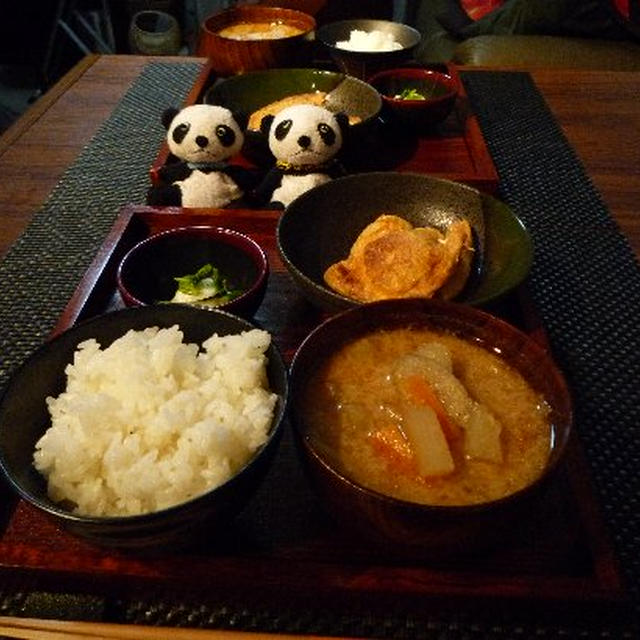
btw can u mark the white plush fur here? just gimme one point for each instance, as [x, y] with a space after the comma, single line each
[306, 119]
[303, 147]
[203, 120]
[210, 124]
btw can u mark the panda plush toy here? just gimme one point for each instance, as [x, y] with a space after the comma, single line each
[202, 138]
[305, 140]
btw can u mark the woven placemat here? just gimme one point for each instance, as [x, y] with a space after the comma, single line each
[586, 285]
[585, 281]
[43, 268]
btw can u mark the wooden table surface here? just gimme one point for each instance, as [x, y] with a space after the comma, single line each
[598, 111]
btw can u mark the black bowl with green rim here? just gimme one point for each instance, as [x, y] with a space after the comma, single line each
[247, 93]
[319, 228]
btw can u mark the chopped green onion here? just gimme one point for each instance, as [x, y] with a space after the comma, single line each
[409, 94]
[207, 286]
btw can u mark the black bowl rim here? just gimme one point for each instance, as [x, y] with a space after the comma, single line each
[324, 290]
[323, 31]
[219, 235]
[443, 308]
[52, 509]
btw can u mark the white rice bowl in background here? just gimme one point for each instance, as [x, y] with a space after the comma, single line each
[376, 40]
[151, 422]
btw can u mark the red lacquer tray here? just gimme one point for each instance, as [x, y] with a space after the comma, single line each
[283, 549]
[455, 149]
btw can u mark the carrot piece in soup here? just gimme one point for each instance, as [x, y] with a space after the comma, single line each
[394, 449]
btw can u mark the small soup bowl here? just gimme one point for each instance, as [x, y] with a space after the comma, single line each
[416, 97]
[24, 418]
[147, 273]
[400, 526]
[229, 56]
[363, 63]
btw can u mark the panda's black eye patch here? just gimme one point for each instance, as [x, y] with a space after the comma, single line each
[327, 134]
[225, 134]
[180, 132]
[283, 129]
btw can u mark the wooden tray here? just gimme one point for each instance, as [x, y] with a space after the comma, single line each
[283, 549]
[455, 149]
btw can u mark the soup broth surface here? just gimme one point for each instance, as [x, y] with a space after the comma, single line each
[357, 418]
[259, 31]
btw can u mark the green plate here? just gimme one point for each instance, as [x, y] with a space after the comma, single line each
[319, 228]
[246, 93]
[508, 253]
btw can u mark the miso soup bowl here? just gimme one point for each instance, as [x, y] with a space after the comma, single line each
[403, 528]
[229, 56]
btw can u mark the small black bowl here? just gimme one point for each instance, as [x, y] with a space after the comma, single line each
[24, 418]
[146, 274]
[438, 91]
[362, 64]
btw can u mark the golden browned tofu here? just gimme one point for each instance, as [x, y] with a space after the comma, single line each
[273, 108]
[392, 259]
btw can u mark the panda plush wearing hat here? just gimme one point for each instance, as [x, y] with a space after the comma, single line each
[305, 140]
[202, 138]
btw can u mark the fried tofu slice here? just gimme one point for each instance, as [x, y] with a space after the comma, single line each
[319, 98]
[273, 108]
[392, 259]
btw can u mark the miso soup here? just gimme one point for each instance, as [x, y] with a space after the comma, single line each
[428, 417]
[259, 31]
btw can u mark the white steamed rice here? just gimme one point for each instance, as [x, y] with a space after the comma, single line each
[150, 421]
[375, 40]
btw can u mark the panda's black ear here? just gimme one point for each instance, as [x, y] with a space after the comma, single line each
[167, 117]
[242, 119]
[265, 123]
[343, 122]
